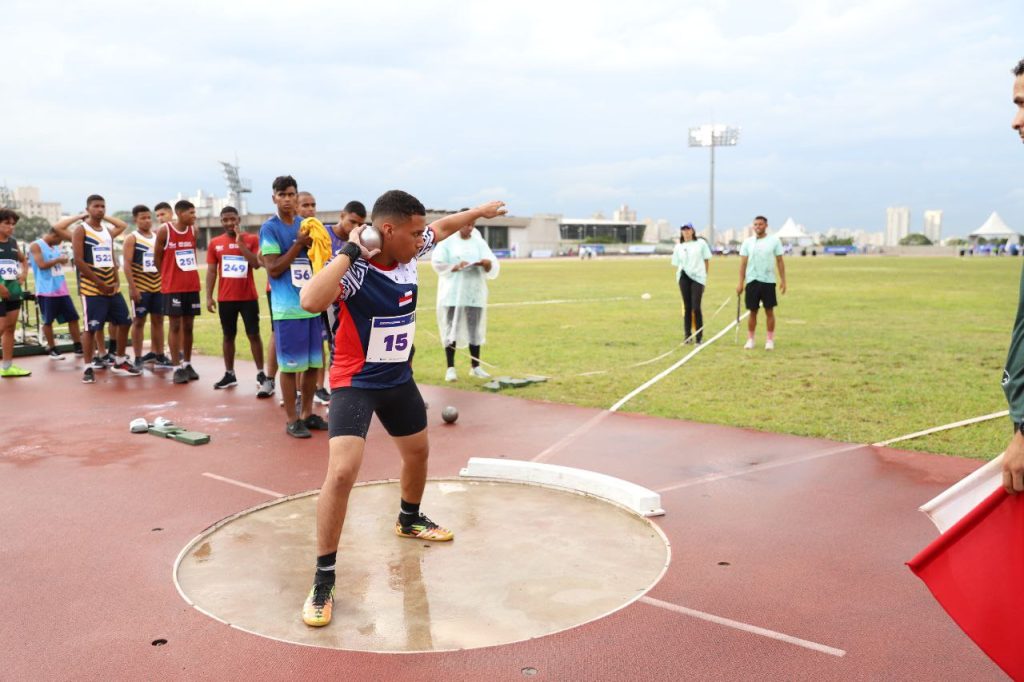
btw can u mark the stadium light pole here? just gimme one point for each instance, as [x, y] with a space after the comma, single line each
[713, 135]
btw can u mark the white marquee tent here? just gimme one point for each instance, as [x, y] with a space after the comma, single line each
[790, 232]
[994, 228]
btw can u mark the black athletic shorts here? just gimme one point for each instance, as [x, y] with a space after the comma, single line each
[182, 304]
[401, 410]
[760, 293]
[9, 305]
[229, 312]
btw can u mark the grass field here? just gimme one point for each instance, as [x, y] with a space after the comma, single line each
[868, 348]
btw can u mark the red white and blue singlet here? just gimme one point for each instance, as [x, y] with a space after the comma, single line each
[374, 323]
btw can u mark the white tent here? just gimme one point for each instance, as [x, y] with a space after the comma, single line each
[995, 228]
[791, 232]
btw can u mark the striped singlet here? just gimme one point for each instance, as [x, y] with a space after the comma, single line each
[99, 253]
[144, 271]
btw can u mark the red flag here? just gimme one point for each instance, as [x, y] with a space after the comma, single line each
[976, 572]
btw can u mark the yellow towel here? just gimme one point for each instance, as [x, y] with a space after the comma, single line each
[320, 249]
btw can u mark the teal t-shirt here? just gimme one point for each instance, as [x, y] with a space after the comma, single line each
[276, 238]
[689, 257]
[761, 255]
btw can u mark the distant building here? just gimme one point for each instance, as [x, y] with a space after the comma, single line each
[897, 224]
[27, 202]
[624, 214]
[209, 206]
[933, 225]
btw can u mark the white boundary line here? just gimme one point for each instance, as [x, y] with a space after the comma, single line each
[664, 373]
[944, 427]
[567, 438]
[745, 627]
[240, 484]
[708, 478]
[562, 300]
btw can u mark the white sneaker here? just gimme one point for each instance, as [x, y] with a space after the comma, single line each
[450, 375]
[749, 345]
[479, 373]
[769, 345]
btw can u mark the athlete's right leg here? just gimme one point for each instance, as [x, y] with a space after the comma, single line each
[229, 329]
[272, 357]
[48, 333]
[138, 332]
[156, 333]
[346, 456]
[685, 287]
[174, 338]
[8, 323]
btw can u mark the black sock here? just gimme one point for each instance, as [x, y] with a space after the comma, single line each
[325, 569]
[408, 513]
[449, 354]
[475, 352]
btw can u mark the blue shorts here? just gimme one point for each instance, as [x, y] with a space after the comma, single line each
[59, 308]
[98, 310]
[299, 344]
[149, 302]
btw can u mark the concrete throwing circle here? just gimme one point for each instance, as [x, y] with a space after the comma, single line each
[526, 561]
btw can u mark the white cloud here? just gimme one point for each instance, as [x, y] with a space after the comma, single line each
[569, 107]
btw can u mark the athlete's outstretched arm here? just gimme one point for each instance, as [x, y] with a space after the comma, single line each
[450, 224]
[325, 287]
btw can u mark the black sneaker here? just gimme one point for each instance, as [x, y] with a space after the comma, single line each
[322, 396]
[298, 430]
[180, 376]
[110, 359]
[191, 372]
[89, 377]
[125, 369]
[98, 363]
[266, 386]
[55, 354]
[78, 349]
[148, 357]
[315, 422]
[163, 362]
[227, 381]
[139, 364]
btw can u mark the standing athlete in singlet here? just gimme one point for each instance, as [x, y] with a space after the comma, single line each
[144, 289]
[100, 286]
[179, 283]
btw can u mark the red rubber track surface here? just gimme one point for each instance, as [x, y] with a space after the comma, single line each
[815, 549]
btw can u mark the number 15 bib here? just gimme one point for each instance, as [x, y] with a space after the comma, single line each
[391, 338]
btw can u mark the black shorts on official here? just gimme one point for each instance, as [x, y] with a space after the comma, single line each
[8, 305]
[760, 294]
[229, 312]
[99, 310]
[149, 302]
[182, 304]
[401, 410]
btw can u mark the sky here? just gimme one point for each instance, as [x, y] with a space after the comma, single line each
[845, 108]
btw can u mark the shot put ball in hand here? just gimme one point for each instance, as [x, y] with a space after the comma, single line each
[370, 237]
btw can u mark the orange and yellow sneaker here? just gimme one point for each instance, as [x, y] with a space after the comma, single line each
[424, 529]
[319, 604]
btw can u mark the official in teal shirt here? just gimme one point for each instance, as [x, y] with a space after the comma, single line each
[691, 258]
[760, 255]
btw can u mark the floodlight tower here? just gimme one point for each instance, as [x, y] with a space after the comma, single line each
[713, 135]
[236, 186]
